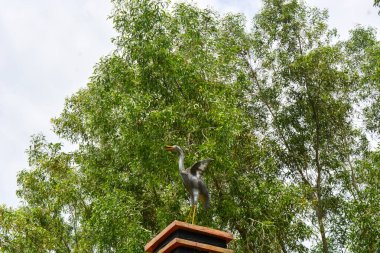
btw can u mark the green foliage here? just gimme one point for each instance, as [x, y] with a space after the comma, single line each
[274, 107]
[32, 230]
[364, 210]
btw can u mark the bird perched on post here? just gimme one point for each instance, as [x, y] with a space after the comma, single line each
[191, 178]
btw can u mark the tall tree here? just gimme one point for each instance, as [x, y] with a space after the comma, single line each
[363, 208]
[274, 107]
[305, 92]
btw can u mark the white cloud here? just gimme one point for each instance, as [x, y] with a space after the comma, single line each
[48, 49]
[345, 15]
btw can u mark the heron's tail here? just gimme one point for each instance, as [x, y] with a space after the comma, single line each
[206, 204]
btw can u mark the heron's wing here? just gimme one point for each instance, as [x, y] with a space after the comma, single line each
[198, 167]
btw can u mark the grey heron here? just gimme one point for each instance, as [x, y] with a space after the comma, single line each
[192, 180]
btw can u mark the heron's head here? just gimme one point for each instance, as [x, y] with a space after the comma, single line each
[174, 148]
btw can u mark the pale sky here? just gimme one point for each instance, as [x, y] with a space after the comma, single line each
[49, 47]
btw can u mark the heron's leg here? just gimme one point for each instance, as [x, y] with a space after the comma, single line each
[188, 218]
[192, 204]
[195, 210]
[195, 203]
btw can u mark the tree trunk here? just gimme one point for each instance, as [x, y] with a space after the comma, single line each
[322, 231]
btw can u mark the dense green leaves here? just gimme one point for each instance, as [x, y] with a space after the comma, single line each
[364, 210]
[279, 109]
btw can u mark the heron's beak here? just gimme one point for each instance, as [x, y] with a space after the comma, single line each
[169, 148]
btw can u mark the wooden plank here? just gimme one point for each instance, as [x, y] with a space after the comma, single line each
[178, 242]
[150, 246]
[175, 225]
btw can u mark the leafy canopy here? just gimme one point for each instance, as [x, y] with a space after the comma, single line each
[279, 108]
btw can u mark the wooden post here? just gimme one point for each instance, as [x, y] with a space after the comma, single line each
[181, 237]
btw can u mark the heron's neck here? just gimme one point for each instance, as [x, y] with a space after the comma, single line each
[181, 160]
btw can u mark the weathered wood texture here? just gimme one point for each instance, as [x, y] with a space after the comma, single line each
[181, 237]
